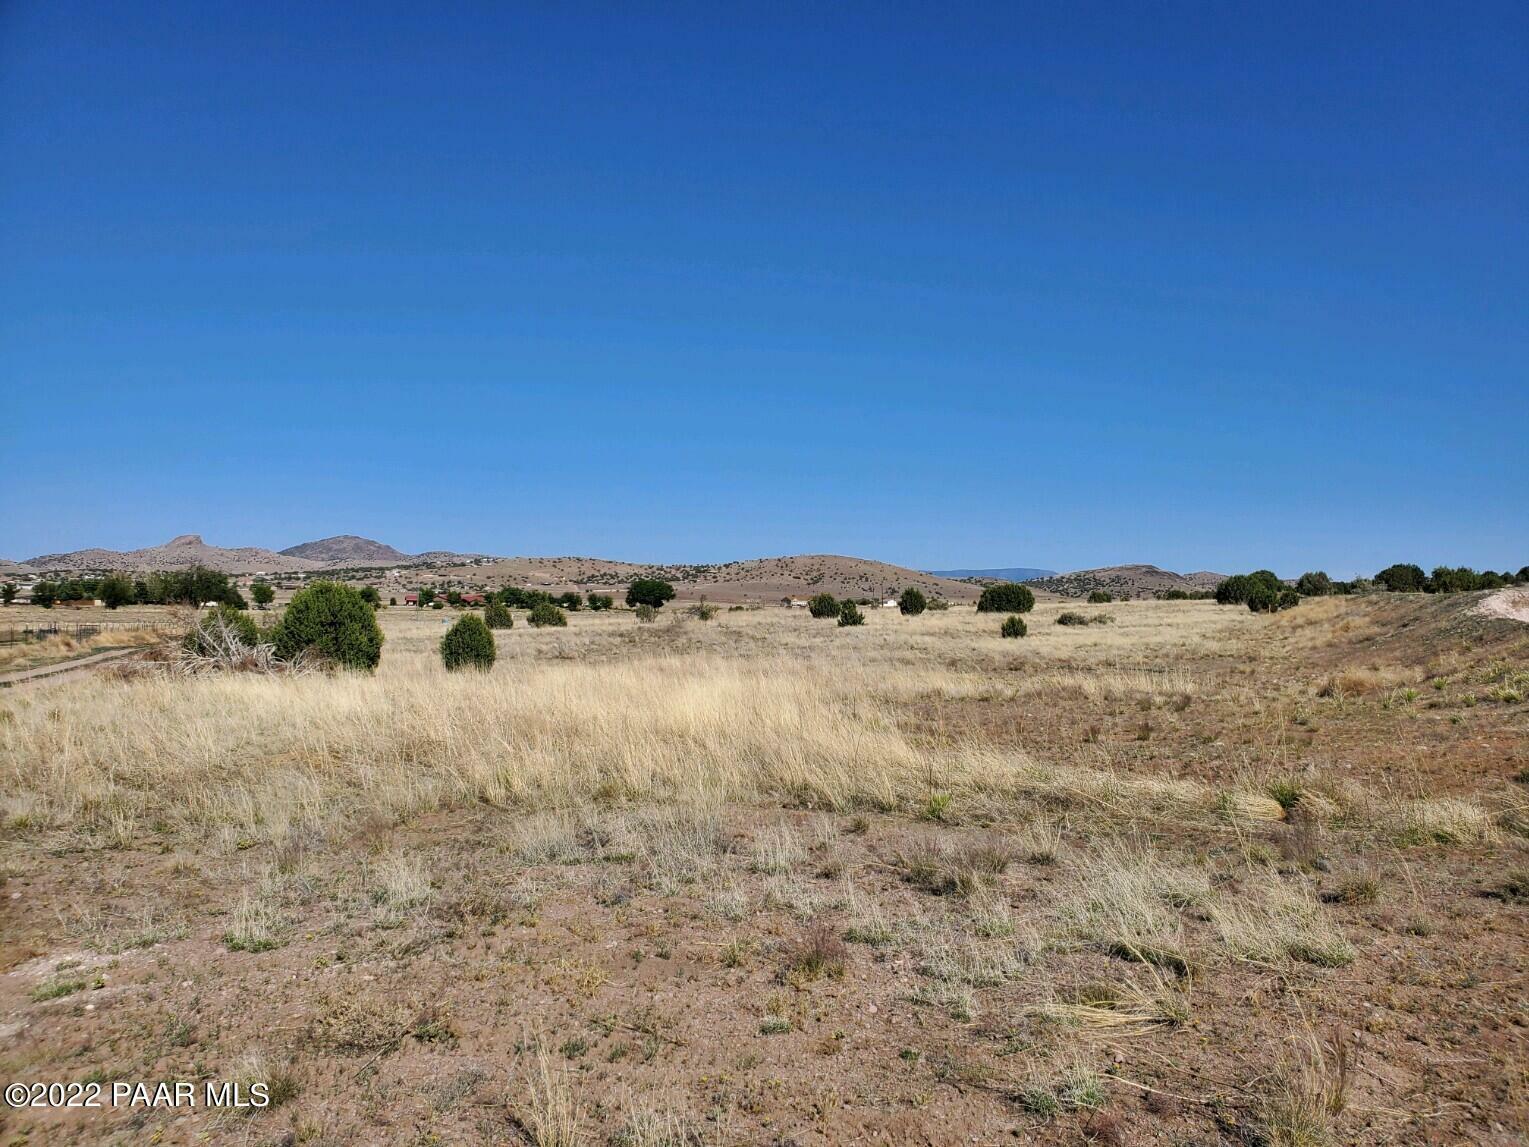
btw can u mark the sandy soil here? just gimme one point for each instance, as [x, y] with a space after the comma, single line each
[1512, 604]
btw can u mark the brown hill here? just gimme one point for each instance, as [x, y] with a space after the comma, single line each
[1134, 580]
[759, 580]
[348, 549]
[178, 553]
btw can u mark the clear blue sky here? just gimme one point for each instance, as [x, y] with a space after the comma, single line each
[1211, 286]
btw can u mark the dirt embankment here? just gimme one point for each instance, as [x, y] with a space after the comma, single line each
[1512, 604]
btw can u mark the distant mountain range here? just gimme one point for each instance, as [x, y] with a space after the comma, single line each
[764, 580]
[187, 550]
[1010, 573]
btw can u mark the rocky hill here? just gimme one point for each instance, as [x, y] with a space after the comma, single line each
[348, 549]
[1133, 580]
[759, 580]
[178, 553]
[1006, 573]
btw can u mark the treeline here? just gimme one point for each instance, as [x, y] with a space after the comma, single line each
[195, 586]
[512, 597]
[1263, 592]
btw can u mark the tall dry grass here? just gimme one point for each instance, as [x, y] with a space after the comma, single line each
[765, 705]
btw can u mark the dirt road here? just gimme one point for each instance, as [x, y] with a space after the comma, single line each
[64, 668]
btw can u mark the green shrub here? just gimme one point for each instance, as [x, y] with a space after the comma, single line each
[1009, 597]
[1264, 599]
[849, 614]
[912, 602]
[646, 612]
[1403, 577]
[704, 610]
[202, 637]
[370, 595]
[334, 620]
[545, 613]
[1100, 597]
[823, 605]
[601, 601]
[437, 604]
[1314, 583]
[1236, 589]
[496, 616]
[1070, 618]
[938, 604]
[115, 590]
[571, 601]
[649, 591]
[469, 644]
[1013, 626]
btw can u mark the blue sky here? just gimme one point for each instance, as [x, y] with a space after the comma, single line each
[1211, 286]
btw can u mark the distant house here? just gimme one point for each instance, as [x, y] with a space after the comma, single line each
[473, 599]
[411, 599]
[890, 603]
[797, 603]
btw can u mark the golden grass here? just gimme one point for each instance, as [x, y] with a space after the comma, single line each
[762, 705]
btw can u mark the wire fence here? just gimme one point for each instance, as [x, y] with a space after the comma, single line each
[77, 630]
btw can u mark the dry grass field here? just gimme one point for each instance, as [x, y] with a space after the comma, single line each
[1191, 876]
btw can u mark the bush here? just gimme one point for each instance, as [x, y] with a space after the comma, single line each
[469, 644]
[649, 591]
[646, 612]
[370, 595]
[336, 621]
[1263, 599]
[1100, 597]
[912, 602]
[1314, 583]
[1009, 597]
[1402, 578]
[849, 614]
[704, 610]
[203, 636]
[116, 590]
[823, 605]
[1069, 618]
[496, 616]
[545, 613]
[263, 594]
[1236, 589]
[938, 604]
[1013, 626]
[571, 601]
[601, 601]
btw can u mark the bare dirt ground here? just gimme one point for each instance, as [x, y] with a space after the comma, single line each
[1509, 603]
[1188, 876]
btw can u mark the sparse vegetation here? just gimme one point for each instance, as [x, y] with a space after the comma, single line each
[1013, 626]
[497, 616]
[778, 830]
